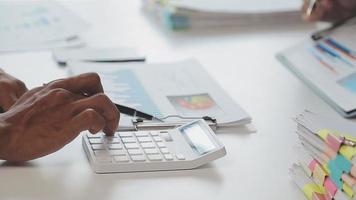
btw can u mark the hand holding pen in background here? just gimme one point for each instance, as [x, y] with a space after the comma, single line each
[328, 10]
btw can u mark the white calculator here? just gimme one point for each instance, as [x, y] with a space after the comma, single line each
[185, 147]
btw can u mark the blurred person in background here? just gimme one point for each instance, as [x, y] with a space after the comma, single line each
[330, 10]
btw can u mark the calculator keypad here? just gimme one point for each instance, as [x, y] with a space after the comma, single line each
[138, 146]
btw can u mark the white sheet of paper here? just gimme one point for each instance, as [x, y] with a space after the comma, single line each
[24, 23]
[97, 55]
[333, 76]
[181, 88]
[239, 6]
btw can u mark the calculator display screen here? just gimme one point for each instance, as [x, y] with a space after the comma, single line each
[197, 138]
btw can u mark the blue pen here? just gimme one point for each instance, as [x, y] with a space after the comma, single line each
[332, 53]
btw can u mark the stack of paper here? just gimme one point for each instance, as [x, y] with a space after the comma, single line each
[326, 167]
[181, 14]
[171, 91]
[29, 25]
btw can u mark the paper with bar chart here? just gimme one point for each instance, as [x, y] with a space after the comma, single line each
[180, 88]
[328, 66]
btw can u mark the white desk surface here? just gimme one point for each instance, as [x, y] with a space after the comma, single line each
[241, 60]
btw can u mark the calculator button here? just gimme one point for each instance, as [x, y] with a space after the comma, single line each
[98, 147]
[151, 151]
[132, 146]
[113, 140]
[121, 158]
[138, 158]
[154, 157]
[157, 139]
[148, 145]
[103, 159]
[168, 156]
[125, 134]
[115, 146]
[128, 140]
[164, 150]
[166, 136]
[144, 139]
[161, 145]
[95, 141]
[154, 133]
[101, 153]
[117, 152]
[135, 151]
[98, 135]
[180, 157]
[141, 134]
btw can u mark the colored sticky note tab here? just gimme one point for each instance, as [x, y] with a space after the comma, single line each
[324, 133]
[330, 187]
[343, 164]
[319, 175]
[348, 190]
[311, 188]
[334, 142]
[347, 151]
[317, 196]
[312, 164]
[335, 173]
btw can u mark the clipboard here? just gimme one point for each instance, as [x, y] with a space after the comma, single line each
[139, 124]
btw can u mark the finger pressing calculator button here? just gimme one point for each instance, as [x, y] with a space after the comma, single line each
[144, 139]
[113, 140]
[128, 140]
[134, 151]
[161, 145]
[98, 147]
[115, 146]
[168, 156]
[180, 156]
[121, 158]
[151, 151]
[131, 146]
[141, 134]
[98, 135]
[95, 141]
[148, 145]
[138, 158]
[154, 157]
[117, 152]
[164, 150]
[101, 153]
[125, 134]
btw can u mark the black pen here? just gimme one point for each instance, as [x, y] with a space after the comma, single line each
[135, 113]
[320, 34]
[132, 111]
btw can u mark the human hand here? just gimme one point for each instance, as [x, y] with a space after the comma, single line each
[330, 10]
[47, 118]
[11, 89]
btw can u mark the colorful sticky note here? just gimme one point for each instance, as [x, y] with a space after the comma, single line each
[334, 142]
[348, 190]
[330, 187]
[311, 188]
[347, 151]
[319, 175]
